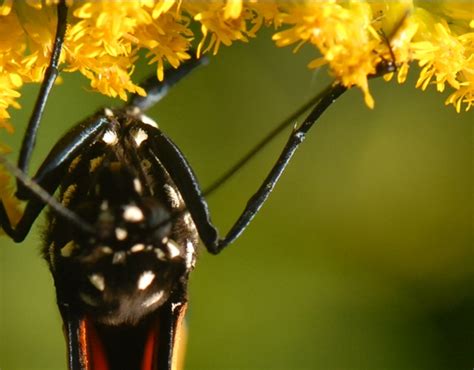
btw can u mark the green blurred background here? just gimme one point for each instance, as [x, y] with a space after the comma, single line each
[362, 258]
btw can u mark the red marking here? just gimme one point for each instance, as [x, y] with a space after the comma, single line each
[151, 345]
[92, 350]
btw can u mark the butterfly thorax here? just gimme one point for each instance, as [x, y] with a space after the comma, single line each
[144, 240]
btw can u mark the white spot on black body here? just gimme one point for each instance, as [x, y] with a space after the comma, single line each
[173, 248]
[174, 306]
[189, 258]
[110, 137]
[108, 112]
[139, 136]
[137, 185]
[153, 299]
[188, 220]
[145, 280]
[133, 213]
[98, 281]
[174, 196]
[137, 248]
[121, 234]
[148, 121]
[119, 257]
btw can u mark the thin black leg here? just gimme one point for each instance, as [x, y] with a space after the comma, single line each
[50, 76]
[157, 90]
[183, 176]
[296, 138]
[181, 173]
[38, 191]
[30, 214]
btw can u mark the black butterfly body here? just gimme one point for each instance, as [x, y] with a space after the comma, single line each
[144, 246]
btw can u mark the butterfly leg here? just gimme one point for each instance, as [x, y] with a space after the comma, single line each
[38, 191]
[50, 76]
[157, 90]
[180, 171]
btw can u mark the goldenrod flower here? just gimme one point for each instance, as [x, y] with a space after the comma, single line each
[445, 51]
[104, 37]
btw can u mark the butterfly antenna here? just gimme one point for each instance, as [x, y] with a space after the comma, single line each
[266, 140]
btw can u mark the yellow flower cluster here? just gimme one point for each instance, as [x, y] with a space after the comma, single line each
[104, 36]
